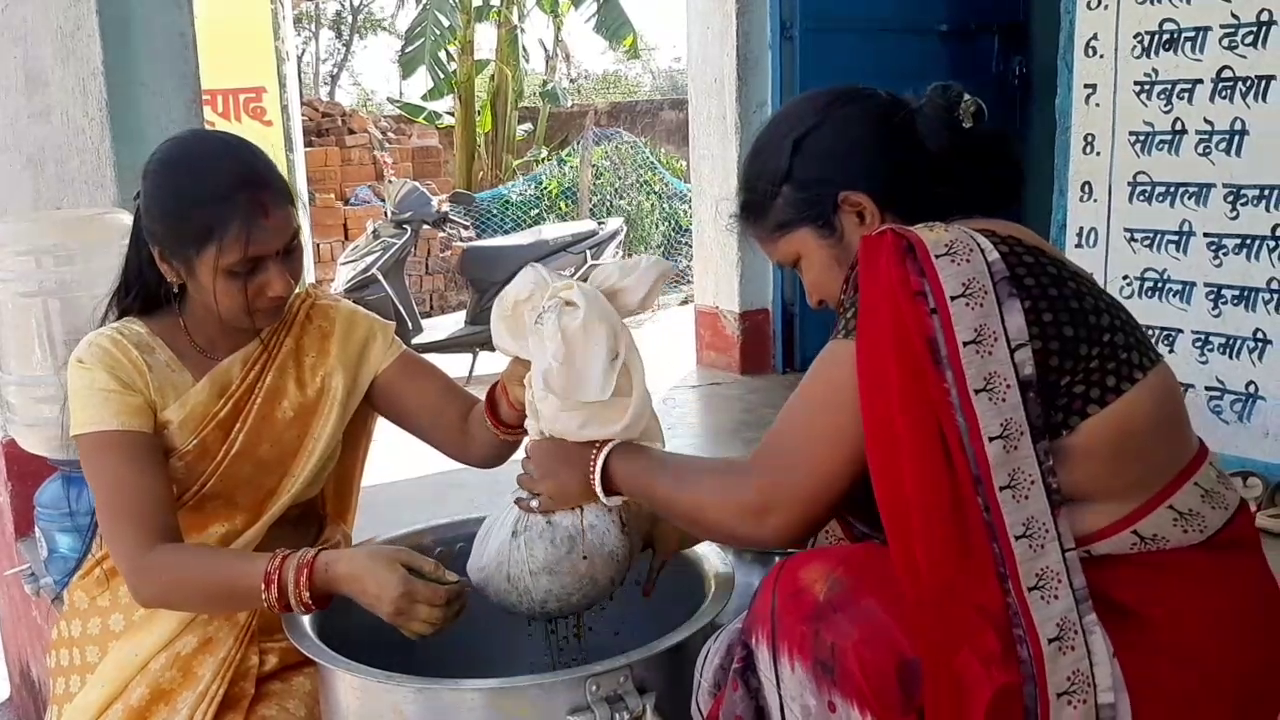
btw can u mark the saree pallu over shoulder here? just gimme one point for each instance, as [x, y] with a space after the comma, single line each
[280, 422]
[960, 461]
[983, 605]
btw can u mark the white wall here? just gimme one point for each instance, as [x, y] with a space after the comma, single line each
[729, 100]
[1150, 200]
[55, 150]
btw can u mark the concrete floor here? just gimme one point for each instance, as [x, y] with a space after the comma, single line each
[706, 413]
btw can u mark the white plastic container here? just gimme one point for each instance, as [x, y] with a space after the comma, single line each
[56, 271]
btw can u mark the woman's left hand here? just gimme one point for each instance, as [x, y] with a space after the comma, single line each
[557, 476]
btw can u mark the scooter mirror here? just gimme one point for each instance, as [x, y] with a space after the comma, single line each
[462, 197]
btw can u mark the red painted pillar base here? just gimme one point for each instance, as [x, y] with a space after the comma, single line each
[740, 343]
[25, 622]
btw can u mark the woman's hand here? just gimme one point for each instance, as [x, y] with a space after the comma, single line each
[666, 541]
[557, 476]
[411, 591]
[512, 380]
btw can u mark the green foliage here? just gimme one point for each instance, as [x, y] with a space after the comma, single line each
[344, 26]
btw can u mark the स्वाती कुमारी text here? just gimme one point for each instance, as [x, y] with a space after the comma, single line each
[1173, 193]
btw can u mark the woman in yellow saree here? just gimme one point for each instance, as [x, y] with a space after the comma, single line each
[223, 418]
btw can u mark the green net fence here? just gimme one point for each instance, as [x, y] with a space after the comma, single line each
[628, 180]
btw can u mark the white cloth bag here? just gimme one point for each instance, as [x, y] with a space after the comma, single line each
[586, 382]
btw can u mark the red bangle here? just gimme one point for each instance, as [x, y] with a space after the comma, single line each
[271, 581]
[511, 433]
[506, 398]
[307, 600]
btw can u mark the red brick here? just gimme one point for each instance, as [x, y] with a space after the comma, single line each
[363, 213]
[362, 174]
[428, 170]
[428, 153]
[740, 343]
[423, 135]
[316, 158]
[325, 271]
[422, 302]
[332, 192]
[355, 232]
[355, 156]
[323, 252]
[415, 283]
[444, 185]
[328, 233]
[324, 141]
[327, 216]
[415, 266]
[350, 141]
[400, 154]
[426, 248]
[320, 176]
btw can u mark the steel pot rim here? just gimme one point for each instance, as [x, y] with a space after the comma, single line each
[717, 574]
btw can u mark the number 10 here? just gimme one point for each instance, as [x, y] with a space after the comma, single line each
[1086, 238]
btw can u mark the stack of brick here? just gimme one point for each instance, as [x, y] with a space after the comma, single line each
[332, 173]
[414, 149]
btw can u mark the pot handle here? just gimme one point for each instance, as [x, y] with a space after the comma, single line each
[613, 696]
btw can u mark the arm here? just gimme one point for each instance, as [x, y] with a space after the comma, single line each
[428, 404]
[138, 519]
[785, 491]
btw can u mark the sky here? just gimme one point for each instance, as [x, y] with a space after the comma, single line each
[661, 24]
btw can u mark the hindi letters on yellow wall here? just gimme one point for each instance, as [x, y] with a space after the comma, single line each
[239, 72]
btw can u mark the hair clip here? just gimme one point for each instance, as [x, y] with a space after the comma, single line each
[972, 111]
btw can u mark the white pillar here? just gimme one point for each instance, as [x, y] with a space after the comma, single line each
[730, 97]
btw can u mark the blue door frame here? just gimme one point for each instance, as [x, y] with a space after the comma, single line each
[898, 45]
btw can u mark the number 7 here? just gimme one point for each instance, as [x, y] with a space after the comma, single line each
[1090, 89]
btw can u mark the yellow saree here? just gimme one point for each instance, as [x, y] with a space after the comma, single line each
[278, 423]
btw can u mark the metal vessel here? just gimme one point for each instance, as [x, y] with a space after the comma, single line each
[749, 570]
[630, 657]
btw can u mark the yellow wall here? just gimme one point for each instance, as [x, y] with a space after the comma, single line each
[239, 72]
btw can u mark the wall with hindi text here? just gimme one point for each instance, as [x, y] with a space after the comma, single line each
[240, 72]
[1168, 191]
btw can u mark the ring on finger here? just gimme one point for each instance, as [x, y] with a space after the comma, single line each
[535, 504]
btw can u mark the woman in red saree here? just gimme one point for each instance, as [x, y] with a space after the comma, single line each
[1022, 522]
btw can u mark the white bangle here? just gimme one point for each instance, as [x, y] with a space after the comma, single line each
[597, 475]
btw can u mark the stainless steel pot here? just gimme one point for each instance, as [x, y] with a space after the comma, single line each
[749, 569]
[630, 656]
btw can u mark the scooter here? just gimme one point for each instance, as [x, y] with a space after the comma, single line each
[371, 272]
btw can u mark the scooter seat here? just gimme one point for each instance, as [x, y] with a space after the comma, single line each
[497, 258]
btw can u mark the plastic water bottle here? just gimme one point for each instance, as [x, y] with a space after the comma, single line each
[65, 522]
[56, 269]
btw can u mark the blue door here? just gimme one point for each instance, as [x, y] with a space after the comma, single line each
[898, 45]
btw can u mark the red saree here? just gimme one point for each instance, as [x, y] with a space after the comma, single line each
[983, 605]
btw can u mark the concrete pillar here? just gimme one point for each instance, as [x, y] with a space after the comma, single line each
[730, 97]
[90, 88]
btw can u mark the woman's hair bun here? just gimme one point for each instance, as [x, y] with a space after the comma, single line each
[976, 166]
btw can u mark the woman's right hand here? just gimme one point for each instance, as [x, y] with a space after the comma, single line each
[407, 589]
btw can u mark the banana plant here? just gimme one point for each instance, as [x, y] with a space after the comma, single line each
[440, 44]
